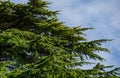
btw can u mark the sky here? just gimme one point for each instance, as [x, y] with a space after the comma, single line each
[103, 15]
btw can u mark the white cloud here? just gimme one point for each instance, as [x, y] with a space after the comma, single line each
[103, 15]
[19, 1]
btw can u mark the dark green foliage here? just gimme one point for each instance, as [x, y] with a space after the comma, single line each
[34, 44]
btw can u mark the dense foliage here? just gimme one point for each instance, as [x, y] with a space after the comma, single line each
[35, 44]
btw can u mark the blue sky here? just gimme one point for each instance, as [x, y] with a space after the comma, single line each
[103, 15]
